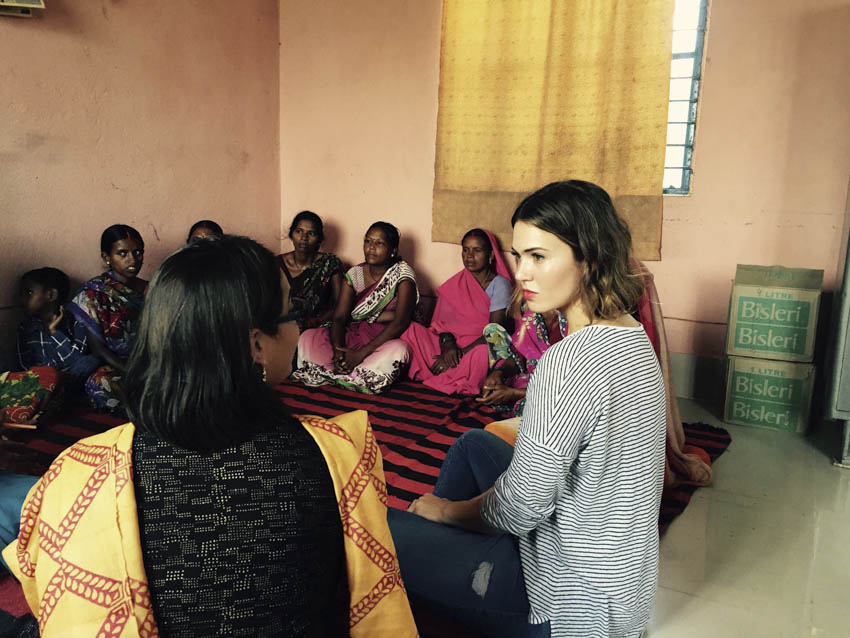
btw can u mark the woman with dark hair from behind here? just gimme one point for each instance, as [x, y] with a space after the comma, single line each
[572, 510]
[315, 278]
[203, 229]
[223, 513]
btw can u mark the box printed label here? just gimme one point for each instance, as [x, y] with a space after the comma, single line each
[754, 412]
[792, 313]
[772, 325]
[766, 400]
[767, 393]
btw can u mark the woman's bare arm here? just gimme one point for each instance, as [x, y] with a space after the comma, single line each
[100, 350]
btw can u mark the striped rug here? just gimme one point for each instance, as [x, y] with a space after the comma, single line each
[414, 425]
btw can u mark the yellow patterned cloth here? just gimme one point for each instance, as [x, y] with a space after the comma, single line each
[379, 604]
[79, 559]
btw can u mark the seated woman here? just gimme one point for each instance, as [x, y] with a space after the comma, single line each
[516, 357]
[109, 306]
[215, 513]
[558, 536]
[362, 350]
[203, 229]
[315, 278]
[451, 355]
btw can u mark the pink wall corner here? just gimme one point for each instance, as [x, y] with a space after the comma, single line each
[358, 116]
[124, 112]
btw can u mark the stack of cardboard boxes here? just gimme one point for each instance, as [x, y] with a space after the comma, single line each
[770, 342]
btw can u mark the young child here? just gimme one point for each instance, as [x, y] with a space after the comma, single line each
[50, 336]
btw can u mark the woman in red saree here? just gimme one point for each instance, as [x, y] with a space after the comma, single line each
[451, 355]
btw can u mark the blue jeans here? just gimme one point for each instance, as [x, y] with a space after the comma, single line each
[13, 491]
[473, 578]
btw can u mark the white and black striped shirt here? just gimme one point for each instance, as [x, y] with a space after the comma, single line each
[584, 486]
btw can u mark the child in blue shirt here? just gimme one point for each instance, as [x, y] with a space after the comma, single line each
[50, 336]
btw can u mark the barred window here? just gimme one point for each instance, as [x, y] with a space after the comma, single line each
[689, 21]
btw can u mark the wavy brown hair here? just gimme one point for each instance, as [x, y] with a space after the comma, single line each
[582, 215]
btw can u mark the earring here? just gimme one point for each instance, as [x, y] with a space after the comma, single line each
[264, 374]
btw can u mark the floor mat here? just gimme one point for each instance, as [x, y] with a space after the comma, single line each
[414, 425]
[711, 439]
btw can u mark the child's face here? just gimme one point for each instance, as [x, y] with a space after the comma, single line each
[35, 298]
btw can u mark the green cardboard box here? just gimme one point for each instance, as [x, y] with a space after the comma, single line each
[773, 313]
[767, 393]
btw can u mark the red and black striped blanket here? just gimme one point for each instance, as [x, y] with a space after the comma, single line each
[416, 426]
[413, 424]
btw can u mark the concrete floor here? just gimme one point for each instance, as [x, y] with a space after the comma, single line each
[764, 551]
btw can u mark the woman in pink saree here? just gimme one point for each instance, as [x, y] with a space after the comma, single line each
[451, 355]
[361, 350]
[514, 357]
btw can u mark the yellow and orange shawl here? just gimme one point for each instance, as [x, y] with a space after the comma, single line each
[79, 559]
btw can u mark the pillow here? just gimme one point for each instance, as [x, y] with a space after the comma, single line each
[25, 396]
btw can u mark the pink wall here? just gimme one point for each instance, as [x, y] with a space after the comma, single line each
[359, 85]
[358, 121]
[157, 116]
[772, 160]
[151, 114]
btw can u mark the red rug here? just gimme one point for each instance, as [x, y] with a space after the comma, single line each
[414, 425]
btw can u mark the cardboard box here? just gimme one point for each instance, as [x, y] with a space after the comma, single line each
[773, 313]
[767, 393]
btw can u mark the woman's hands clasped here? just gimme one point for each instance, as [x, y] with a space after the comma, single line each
[346, 359]
[495, 392]
[445, 360]
[450, 354]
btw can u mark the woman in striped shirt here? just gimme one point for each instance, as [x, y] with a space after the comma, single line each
[559, 536]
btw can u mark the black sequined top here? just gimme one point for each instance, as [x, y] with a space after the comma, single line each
[245, 541]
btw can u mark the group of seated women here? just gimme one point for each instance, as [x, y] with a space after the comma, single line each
[216, 512]
[357, 326]
[88, 338]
